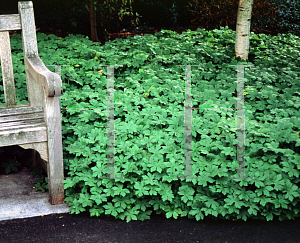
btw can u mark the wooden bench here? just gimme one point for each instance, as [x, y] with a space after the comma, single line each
[36, 125]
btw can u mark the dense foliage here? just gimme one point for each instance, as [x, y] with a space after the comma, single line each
[149, 119]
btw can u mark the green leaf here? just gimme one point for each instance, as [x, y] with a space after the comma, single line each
[166, 192]
[141, 189]
[76, 207]
[98, 197]
[84, 199]
[175, 212]
[187, 192]
[96, 212]
[199, 215]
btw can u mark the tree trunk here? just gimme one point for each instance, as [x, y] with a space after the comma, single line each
[243, 29]
[94, 36]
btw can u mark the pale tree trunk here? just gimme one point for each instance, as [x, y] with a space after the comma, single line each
[243, 29]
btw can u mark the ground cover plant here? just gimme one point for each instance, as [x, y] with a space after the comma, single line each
[149, 124]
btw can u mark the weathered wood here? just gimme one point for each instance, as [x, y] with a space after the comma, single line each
[10, 22]
[43, 77]
[7, 69]
[22, 125]
[36, 125]
[19, 109]
[42, 157]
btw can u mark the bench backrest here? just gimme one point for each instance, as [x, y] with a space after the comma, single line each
[23, 21]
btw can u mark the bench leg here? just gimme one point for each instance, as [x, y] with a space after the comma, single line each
[56, 176]
[38, 161]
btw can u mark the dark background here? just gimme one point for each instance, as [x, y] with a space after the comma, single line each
[61, 17]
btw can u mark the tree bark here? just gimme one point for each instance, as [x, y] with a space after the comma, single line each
[94, 36]
[243, 29]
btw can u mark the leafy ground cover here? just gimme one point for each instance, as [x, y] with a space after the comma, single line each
[149, 119]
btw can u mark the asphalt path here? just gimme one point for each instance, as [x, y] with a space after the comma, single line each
[83, 228]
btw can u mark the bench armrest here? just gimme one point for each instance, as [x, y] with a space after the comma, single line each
[43, 76]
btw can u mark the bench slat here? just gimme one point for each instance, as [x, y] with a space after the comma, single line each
[23, 136]
[15, 123]
[10, 22]
[20, 110]
[7, 70]
[21, 117]
[22, 124]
